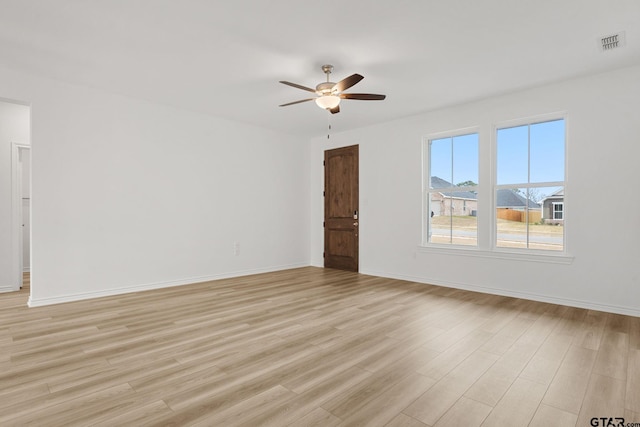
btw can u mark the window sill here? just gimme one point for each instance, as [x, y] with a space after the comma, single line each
[559, 258]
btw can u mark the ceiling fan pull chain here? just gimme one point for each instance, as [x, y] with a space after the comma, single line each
[328, 123]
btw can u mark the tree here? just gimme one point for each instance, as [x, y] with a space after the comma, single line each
[535, 195]
[467, 184]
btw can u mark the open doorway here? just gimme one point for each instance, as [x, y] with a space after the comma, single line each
[15, 171]
[22, 220]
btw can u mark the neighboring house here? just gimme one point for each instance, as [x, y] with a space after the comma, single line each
[553, 208]
[460, 203]
[511, 206]
[508, 199]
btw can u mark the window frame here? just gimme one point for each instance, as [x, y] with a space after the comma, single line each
[526, 121]
[554, 212]
[426, 190]
[487, 157]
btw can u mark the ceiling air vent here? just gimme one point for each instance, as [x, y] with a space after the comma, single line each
[612, 41]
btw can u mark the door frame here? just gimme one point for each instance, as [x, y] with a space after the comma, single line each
[17, 149]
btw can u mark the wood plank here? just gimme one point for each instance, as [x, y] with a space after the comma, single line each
[242, 412]
[604, 398]
[317, 418]
[632, 395]
[402, 420]
[549, 416]
[634, 333]
[492, 385]
[138, 415]
[545, 363]
[311, 346]
[359, 396]
[518, 406]
[569, 385]
[631, 417]
[387, 404]
[589, 334]
[465, 412]
[429, 407]
[612, 355]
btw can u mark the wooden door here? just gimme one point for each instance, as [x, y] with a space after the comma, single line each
[341, 208]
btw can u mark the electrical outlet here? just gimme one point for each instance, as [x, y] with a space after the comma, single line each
[236, 248]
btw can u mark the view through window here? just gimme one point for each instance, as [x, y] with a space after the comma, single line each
[528, 211]
[529, 195]
[452, 194]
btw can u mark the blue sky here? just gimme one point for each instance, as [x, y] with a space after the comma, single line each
[546, 155]
[464, 150]
[544, 140]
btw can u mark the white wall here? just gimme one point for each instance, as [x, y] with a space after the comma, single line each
[14, 128]
[129, 195]
[603, 152]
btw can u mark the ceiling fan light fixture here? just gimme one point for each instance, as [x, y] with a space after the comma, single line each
[329, 94]
[327, 102]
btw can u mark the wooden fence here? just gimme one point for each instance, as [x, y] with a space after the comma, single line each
[519, 216]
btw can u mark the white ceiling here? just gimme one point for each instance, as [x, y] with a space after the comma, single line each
[225, 57]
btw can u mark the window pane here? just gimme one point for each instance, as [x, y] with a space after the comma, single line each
[545, 232]
[440, 161]
[511, 217]
[464, 220]
[439, 218]
[452, 196]
[558, 211]
[512, 164]
[465, 159]
[524, 218]
[547, 151]
[453, 218]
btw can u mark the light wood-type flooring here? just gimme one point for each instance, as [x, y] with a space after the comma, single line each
[314, 347]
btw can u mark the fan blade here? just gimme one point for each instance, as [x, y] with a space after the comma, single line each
[335, 109]
[346, 83]
[298, 86]
[297, 102]
[363, 96]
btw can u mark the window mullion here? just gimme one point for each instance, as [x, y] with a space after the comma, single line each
[526, 208]
[451, 198]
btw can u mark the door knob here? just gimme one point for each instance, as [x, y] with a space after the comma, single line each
[355, 223]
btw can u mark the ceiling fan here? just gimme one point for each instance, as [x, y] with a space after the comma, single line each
[330, 94]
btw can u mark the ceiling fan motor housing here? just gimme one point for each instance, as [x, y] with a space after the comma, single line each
[325, 88]
[327, 69]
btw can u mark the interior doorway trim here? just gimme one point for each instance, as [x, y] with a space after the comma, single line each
[17, 149]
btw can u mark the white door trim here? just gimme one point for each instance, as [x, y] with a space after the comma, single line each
[16, 207]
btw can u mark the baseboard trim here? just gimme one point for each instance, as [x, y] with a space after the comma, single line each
[158, 285]
[628, 311]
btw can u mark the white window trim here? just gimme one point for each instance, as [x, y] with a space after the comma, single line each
[553, 210]
[533, 255]
[530, 120]
[487, 185]
[426, 178]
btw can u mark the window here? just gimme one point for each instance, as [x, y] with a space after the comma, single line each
[451, 190]
[558, 209]
[530, 169]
